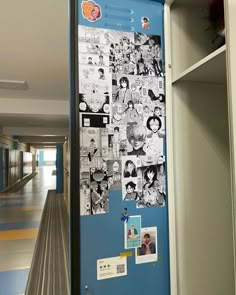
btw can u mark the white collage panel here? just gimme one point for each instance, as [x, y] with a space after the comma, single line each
[122, 118]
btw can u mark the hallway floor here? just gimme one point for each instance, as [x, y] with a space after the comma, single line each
[20, 215]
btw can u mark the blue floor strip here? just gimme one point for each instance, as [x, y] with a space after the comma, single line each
[13, 282]
[19, 225]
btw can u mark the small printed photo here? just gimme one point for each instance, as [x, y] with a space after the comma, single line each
[136, 136]
[148, 55]
[145, 23]
[130, 189]
[153, 183]
[94, 48]
[132, 232]
[148, 252]
[155, 135]
[93, 145]
[93, 103]
[114, 174]
[85, 197]
[129, 166]
[99, 191]
[98, 87]
[126, 114]
[94, 120]
[96, 38]
[91, 72]
[122, 52]
[91, 11]
[117, 141]
[98, 60]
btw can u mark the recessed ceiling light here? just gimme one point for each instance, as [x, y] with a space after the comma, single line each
[14, 85]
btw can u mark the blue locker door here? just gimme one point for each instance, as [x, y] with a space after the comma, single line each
[121, 103]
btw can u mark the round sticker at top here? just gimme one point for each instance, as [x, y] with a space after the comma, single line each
[91, 11]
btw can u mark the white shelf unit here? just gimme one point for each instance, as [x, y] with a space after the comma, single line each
[211, 69]
[200, 154]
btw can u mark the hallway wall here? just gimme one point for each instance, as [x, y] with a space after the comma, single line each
[15, 161]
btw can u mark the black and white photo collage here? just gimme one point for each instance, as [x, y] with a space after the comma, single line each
[122, 119]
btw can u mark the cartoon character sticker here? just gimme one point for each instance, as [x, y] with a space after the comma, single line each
[91, 11]
[145, 23]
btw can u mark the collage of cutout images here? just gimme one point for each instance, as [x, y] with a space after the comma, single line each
[122, 119]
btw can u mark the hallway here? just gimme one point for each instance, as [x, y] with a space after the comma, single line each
[20, 215]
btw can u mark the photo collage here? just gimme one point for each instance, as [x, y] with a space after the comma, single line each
[122, 119]
[143, 240]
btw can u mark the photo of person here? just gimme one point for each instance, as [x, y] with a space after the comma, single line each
[129, 166]
[91, 11]
[148, 250]
[95, 13]
[145, 23]
[136, 136]
[132, 232]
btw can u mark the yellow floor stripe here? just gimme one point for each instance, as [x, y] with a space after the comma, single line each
[20, 234]
[31, 208]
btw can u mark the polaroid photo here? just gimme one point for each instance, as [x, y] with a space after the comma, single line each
[99, 191]
[114, 174]
[148, 252]
[132, 232]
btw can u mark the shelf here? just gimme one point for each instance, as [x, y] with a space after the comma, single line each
[211, 69]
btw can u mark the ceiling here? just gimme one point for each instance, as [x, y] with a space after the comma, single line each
[34, 48]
